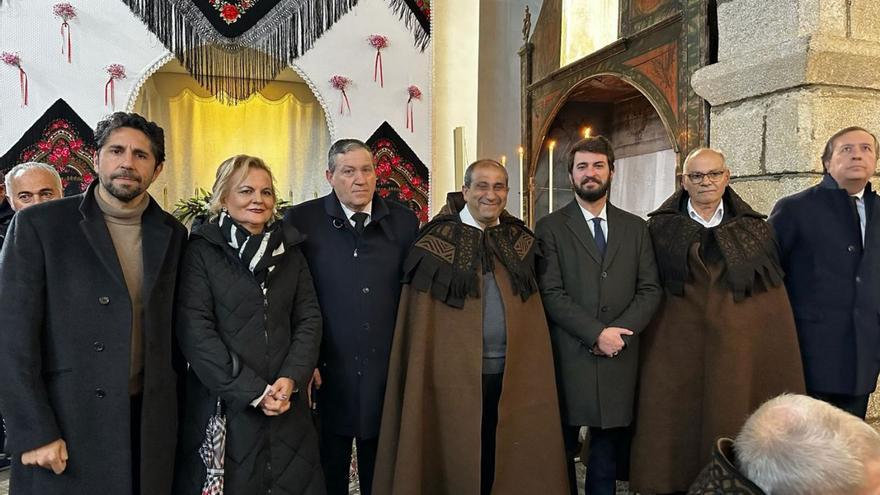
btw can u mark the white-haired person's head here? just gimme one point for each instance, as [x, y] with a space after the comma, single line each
[32, 183]
[794, 444]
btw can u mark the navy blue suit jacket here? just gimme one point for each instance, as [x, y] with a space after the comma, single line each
[358, 285]
[833, 284]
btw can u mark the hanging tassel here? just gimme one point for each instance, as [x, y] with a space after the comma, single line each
[345, 102]
[414, 94]
[377, 66]
[23, 81]
[109, 88]
[66, 26]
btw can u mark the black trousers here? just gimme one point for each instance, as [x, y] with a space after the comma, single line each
[608, 460]
[491, 397]
[856, 405]
[336, 461]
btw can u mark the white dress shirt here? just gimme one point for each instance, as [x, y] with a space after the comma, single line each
[712, 222]
[589, 218]
[860, 207]
[468, 219]
[349, 213]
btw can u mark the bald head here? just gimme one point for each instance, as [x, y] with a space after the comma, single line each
[28, 184]
[484, 163]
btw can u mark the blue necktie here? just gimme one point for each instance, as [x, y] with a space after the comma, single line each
[599, 235]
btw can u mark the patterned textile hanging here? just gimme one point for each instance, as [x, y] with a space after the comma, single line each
[401, 175]
[59, 138]
[233, 48]
[417, 16]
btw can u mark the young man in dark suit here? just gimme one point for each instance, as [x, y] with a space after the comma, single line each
[600, 287]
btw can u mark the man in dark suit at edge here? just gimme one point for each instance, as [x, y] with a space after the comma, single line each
[829, 237]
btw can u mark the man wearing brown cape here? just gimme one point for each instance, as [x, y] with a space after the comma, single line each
[724, 338]
[470, 405]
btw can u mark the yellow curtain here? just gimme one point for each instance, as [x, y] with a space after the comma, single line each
[284, 125]
[587, 26]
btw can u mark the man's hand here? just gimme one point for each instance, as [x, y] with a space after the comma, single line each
[610, 341]
[316, 383]
[50, 456]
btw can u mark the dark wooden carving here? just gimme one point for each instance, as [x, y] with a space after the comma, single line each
[662, 43]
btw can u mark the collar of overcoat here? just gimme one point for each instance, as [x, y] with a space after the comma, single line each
[156, 228]
[380, 211]
[828, 182]
[576, 222]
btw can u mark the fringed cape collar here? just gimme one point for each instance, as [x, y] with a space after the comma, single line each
[744, 238]
[448, 256]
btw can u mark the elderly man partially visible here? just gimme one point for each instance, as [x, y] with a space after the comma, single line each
[28, 184]
[723, 340]
[796, 444]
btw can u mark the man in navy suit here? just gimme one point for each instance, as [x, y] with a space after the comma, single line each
[829, 244]
[355, 245]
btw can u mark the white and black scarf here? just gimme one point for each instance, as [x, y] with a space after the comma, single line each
[259, 252]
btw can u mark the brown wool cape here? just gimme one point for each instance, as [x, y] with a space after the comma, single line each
[722, 342]
[429, 441]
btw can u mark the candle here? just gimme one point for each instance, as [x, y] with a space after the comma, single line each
[550, 176]
[587, 131]
[504, 160]
[522, 193]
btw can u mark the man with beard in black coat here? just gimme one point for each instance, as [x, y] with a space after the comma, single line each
[90, 396]
[355, 245]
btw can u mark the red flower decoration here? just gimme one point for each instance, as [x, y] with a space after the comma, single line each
[378, 41]
[423, 215]
[44, 145]
[383, 171]
[406, 193]
[414, 92]
[384, 192]
[230, 13]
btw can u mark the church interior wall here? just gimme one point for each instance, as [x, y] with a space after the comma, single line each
[106, 32]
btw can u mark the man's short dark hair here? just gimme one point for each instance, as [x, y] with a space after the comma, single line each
[342, 147]
[134, 121]
[829, 145]
[592, 144]
[485, 162]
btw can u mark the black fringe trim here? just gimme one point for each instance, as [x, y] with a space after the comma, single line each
[233, 69]
[418, 24]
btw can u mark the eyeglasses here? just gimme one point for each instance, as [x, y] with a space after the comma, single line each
[697, 177]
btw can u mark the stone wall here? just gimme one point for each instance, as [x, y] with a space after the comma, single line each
[790, 73]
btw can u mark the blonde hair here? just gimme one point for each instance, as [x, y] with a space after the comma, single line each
[236, 168]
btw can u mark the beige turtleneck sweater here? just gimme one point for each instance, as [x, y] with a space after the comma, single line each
[124, 225]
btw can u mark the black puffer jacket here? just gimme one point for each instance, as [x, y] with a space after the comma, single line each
[222, 312]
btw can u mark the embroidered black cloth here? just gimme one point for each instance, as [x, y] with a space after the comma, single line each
[401, 176]
[235, 47]
[721, 477]
[62, 139]
[447, 254]
[417, 16]
[744, 241]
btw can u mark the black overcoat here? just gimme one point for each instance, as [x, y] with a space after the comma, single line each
[833, 284]
[223, 312]
[583, 293]
[65, 348]
[358, 284]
